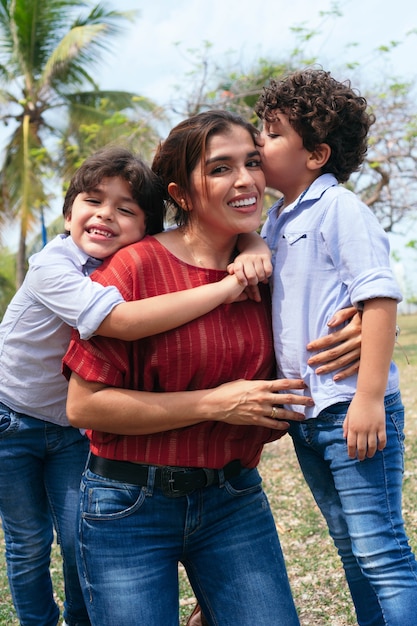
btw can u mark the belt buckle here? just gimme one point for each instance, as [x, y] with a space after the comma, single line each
[168, 482]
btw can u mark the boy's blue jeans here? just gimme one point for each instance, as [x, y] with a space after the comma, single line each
[40, 470]
[132, 538]
[361, 502]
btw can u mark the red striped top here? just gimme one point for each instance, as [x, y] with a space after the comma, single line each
[233, 341]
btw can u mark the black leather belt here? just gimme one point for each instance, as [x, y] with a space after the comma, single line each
[174, 481]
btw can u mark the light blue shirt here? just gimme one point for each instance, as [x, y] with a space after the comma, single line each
[57, 295]
[329, 252]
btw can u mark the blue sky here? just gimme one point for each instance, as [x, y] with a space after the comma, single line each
[146, 60]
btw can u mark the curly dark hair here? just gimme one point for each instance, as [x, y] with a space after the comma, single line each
[112, 162]
[322, 110]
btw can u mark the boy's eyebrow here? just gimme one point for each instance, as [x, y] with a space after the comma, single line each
[99, 190]
[228, 157]
[128, 199]
[95, 189]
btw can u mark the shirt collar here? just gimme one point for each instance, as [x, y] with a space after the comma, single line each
[313, 193]
[85, 260]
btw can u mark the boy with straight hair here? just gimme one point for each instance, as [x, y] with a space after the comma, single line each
[113, 200]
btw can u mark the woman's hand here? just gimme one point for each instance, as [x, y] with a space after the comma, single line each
[340, 349]
[256, 402]
[242, 402]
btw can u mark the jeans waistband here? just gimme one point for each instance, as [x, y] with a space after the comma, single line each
[174, 481]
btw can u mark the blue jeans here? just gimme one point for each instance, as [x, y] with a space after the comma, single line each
[361, 502]
[40, 470]
[132, 538]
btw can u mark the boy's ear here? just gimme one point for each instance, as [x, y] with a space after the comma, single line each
[319, 156]
[67, 222]
[177, 195]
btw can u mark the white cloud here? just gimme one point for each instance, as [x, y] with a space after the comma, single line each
[146, 60]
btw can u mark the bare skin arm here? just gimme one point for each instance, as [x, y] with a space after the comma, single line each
[142, 318]
[241, 402]
[364, 427]
[150, 316]
[253, 264]
[254, 261]
[341, 348]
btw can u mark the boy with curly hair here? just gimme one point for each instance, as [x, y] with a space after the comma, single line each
[329, 252]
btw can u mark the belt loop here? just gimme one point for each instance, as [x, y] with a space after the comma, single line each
[151, 480]
[221, 477]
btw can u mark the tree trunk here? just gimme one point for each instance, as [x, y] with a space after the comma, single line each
[21, 265]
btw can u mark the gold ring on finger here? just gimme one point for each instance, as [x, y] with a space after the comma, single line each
[274, 413]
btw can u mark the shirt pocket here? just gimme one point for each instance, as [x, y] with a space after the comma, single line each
[293, 238]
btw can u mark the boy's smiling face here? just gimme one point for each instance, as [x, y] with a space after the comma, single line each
[106, 218]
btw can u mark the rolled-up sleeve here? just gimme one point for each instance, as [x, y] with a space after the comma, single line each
[74, 298]
[360, 250]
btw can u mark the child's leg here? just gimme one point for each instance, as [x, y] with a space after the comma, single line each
[316, 470]
[67, 452]
[370, 495]
[26, 517]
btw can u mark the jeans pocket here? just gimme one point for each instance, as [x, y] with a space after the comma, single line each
[248, 481]
[9, 421]
[104, 499]
[397, 420]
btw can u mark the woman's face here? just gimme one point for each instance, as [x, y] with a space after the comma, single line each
[227, 190]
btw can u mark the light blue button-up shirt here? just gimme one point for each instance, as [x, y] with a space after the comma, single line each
[329, 252]
[57, 295]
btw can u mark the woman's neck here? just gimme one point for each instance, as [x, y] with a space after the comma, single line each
[199, 249]
[208, 252]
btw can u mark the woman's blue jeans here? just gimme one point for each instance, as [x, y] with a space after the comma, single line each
[361, 502]
[132, 538]
[40, 470]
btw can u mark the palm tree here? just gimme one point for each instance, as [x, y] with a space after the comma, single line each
[48, 50]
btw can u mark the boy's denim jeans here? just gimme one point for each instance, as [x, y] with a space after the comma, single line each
[361, 502]
[40, 470]
[132, 538]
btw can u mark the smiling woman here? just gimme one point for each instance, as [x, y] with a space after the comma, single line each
[223, 199]
[180, 484]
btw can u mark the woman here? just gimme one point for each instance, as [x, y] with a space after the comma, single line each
[178, 482]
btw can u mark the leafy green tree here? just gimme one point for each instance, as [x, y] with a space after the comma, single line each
[48, 52]
[7, 272]
[130, 123]
[387, 181]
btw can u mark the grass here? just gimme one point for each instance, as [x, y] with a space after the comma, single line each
[315, 572]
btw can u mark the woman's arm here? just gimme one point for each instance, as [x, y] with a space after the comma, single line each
[341, 349]
[241, 402]
[150, 316]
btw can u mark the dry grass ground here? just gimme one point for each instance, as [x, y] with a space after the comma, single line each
[315, 572]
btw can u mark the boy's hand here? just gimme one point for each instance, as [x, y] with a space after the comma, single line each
[252, 269]
[235, 290]
[364, 427]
